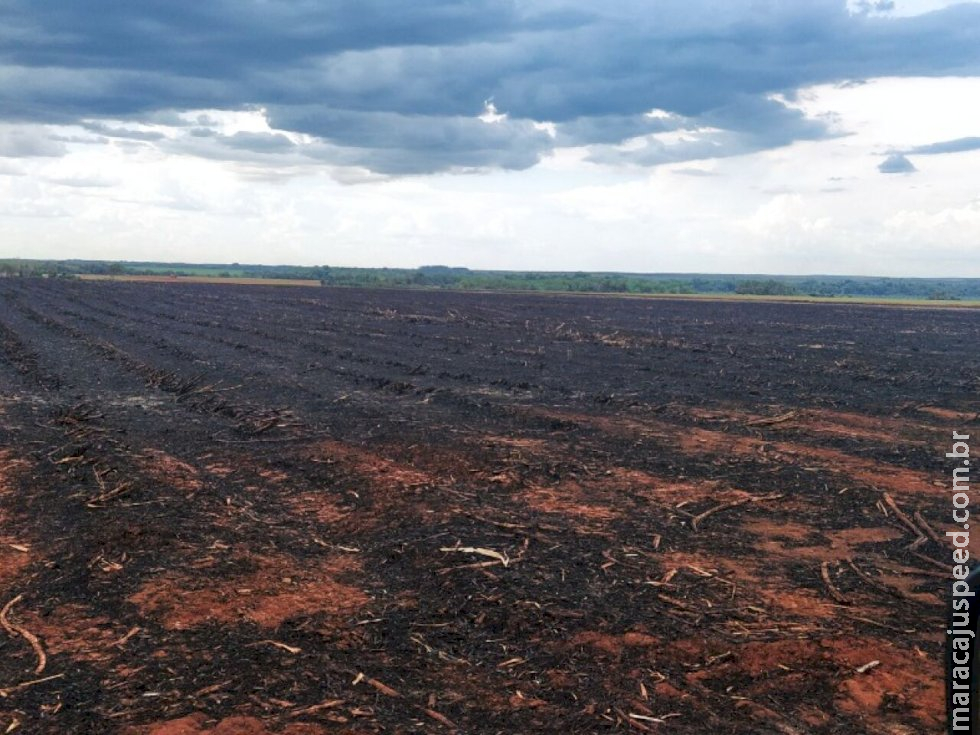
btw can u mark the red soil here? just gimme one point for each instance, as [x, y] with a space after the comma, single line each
[199, 724]
[278, 590]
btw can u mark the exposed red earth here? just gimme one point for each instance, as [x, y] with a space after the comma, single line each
[250, 511]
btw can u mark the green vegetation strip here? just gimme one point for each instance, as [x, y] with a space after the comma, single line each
[835, 289]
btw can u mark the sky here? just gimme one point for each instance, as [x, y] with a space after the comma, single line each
[714, 136]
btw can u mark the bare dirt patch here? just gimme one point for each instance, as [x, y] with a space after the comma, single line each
[949, 414]
[321, 506]
[794, 541]
[14, 557]
[907, 682]
[15, 551]
[381, 471]
[169, 471]
[568, 499]
[76, 631]
[614, 644]
[880, 429]
[660, 490]
[276, 591]
[200, 724]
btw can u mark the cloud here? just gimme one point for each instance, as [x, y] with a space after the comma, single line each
[866, 7]
[261, 142]
[959, 145]
[83, 182]
[121, 131]
[897, 163]
[747, 125]
[694, 172]
[400, 87]
[383, 143]
[27, 142]
[613, 128]
[387, 142]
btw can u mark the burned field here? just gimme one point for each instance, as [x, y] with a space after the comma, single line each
[246, 510]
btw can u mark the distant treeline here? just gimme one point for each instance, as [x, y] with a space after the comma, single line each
[440, 276]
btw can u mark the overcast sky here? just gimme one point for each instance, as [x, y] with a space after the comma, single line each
[752, 136]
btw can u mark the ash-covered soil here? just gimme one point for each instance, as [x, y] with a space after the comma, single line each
[240, 510]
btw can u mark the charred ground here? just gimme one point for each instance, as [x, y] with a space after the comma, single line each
[243, 510]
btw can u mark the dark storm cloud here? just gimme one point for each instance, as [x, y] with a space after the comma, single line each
[394, 143]
[397, 87]
[896, 163]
